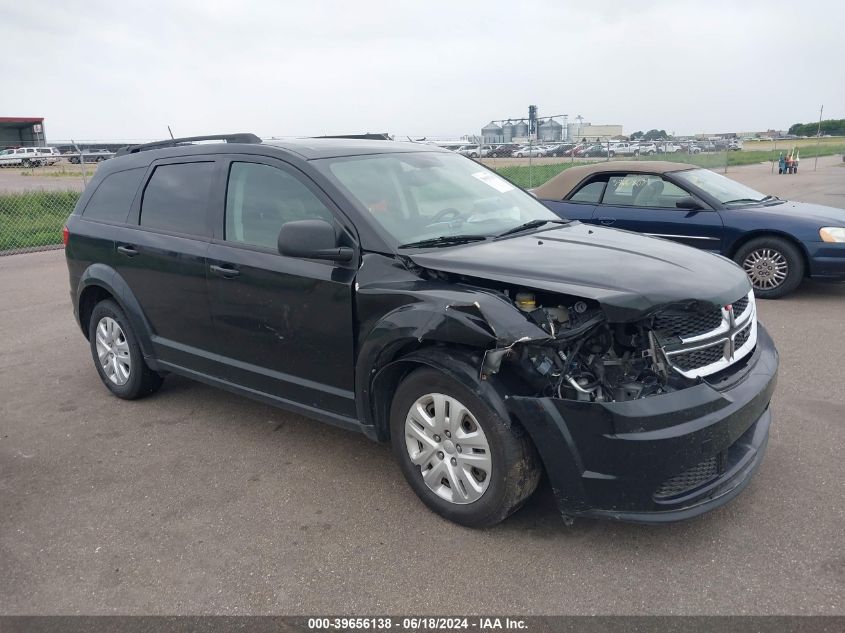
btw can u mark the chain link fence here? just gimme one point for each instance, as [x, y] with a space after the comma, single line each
[35, 202]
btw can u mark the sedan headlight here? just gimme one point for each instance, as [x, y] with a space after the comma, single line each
[832, 234]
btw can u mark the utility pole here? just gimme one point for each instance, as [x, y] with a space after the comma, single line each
[818, 139]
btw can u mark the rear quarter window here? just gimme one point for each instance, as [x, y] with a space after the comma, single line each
[113, 197]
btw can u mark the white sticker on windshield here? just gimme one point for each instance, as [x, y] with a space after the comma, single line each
[499, 184]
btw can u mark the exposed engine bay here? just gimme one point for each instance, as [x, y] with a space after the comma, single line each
[588, 359]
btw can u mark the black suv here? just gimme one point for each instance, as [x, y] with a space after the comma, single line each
[411, 294]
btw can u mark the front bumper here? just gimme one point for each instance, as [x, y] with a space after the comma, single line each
[662, 458]
[827, 260]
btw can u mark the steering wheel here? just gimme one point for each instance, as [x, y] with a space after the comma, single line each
[445, 215]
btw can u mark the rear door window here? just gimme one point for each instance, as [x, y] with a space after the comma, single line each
[176, 198]
[113, 197]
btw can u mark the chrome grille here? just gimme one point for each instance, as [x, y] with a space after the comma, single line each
[690, 479]
[697, 344]
[699, 357]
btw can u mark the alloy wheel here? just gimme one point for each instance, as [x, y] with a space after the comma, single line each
[766, 267]
[444, 439]
[113, 351]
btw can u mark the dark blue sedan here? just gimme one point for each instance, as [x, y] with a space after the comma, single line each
[777, 242]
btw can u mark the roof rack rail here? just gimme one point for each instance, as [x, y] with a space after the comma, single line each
[369, 136]
[243, 137]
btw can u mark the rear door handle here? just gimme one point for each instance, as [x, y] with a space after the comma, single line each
[227, 272]
[607, 221]
[125, 249]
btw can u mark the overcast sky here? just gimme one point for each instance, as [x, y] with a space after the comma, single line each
[127, 69]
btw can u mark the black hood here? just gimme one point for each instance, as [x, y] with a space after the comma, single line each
[627, 273]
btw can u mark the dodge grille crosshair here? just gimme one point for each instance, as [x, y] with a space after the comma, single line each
[700, 343]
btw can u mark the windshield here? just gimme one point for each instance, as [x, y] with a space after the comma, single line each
[723, 189]
[423, 196]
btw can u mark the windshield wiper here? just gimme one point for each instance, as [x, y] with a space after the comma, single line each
[445, 240]
[533, 224]
[745, 200]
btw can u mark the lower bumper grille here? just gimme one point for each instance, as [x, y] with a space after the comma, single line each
[696, 476]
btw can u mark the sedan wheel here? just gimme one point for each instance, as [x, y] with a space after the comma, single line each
[445, 440]
[774, 265]
[766, 267]
[113, 351]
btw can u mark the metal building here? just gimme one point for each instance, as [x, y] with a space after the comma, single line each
[22, 132]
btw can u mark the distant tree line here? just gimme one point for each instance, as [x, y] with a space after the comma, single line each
[834, 127]
[651, 135]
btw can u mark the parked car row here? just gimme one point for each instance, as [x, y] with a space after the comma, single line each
[588, 150]
[41, 156]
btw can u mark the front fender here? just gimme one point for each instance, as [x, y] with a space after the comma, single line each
[399, 311]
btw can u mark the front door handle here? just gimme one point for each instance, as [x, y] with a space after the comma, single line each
[125, 249]
[227, 272]
[607, 221]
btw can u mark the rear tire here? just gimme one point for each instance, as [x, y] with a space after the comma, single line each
[117, 355]
[774, 266]
[508, 469]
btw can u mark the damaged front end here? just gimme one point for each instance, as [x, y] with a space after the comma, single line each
[656, 419]
[653, 414]
[586, 358]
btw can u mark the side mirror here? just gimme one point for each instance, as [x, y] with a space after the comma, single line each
[689, 203]
[312, 239]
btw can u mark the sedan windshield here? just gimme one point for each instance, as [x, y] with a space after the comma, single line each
[725, 190]
[420, 197]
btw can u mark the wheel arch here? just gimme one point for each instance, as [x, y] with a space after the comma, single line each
[742, 240]
[460, 363]
[100, 282]
[441, 332]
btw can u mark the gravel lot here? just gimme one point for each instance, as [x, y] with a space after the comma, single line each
[199, 501]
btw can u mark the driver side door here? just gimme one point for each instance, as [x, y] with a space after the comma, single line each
[283, 325]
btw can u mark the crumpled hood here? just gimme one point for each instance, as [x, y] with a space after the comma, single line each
[627, 273]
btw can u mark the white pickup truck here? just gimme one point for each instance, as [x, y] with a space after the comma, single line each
[624, 149]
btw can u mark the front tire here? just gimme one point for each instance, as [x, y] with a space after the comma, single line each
[461, 459]
[774, 266]
[117, 355]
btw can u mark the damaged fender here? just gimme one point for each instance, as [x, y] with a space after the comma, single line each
[400, 313]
